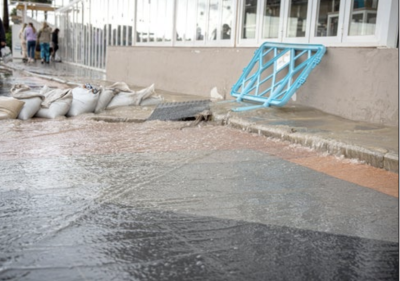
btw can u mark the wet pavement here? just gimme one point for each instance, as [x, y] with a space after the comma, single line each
[373, 144]
[112, 197]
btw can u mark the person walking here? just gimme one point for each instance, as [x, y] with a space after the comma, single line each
[54, 43]
[23, 42]
[44, 38]
[2, 36]
[31, 37]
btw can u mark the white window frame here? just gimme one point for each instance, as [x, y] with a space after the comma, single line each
[219, 42]
[260, 25]
[363, 40]
[310, 19]
[240, 22]
[385, 32]
[181, 43]
[154, 43]
[281, 23]
[327, 40]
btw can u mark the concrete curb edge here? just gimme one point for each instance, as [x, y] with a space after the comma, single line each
[379, 159]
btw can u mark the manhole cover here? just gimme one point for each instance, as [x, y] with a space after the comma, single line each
[179, 110]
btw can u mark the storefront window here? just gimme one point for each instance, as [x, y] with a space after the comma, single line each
[143, 21]
[168, 20]
[249, 19]
[201, 21]
[213, 20]
[327, 18]
[363, 17]
[227, 20]
[181, 12]
[271, 18]
[297, 21]
[89, 26]
[190, 21]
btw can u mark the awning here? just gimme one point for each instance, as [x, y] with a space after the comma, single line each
[36, 7]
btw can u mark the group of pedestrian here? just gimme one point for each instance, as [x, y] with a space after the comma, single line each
[45, 40]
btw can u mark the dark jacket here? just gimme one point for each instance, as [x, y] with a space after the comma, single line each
[2, 32]
[54, 37]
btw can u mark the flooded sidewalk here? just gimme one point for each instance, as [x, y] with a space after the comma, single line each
[373, 144]
[113, 196]
[92, 200]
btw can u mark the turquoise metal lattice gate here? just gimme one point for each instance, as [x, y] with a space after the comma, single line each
[275, 72]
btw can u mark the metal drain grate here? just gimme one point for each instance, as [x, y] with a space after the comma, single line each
[179, 110]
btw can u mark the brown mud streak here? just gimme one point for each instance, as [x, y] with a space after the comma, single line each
[345, 169]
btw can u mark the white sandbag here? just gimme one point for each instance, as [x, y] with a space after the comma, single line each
[6, 54]
[10, 107]
[30, 108]
[153, 100]
[145, 93]
[123, 99]
[31, 98]
[83, 101]
[108, 94]
[45, 90]
[105, 96]
[131, 98]
[57, 103]
[121, 87]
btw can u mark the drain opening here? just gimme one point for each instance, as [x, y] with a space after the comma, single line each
[180, 111]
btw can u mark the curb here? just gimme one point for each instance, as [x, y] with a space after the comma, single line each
[379, 159]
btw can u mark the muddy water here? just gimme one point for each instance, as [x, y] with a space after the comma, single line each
[92, 200]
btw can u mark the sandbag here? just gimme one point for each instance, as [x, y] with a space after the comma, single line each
[105, 96]
[110, 92]
[121, 87]
[57, 103]
[153, 100]
[31, 98]
[6, 54]
[123, 99]
[30, 108]
[145, 93]
[10, 107]
[45, 90]
[83, 101]
[131, 98]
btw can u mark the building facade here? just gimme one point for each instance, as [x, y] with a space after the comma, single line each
[199, 46]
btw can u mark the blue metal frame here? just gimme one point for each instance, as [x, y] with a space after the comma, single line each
[248, 86]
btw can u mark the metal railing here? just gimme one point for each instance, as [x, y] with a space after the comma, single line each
[275, 72]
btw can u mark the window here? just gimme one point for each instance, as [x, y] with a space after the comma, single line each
[227, 20]
[201, 20]
[271, 19]
[154, 21]
[327, 23]
[363, 17]
[297, 20]
[249, 19]
[142, 21]
[213, 20]
[89, 26]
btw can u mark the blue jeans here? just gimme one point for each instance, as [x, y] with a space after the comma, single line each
[31, 49]
[45, 51]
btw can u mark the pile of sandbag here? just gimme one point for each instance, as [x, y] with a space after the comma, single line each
[26, 103]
